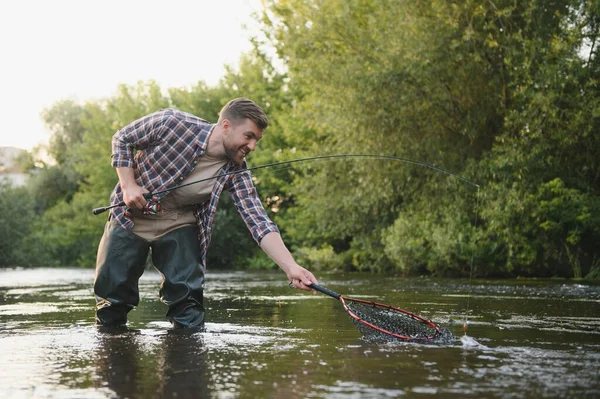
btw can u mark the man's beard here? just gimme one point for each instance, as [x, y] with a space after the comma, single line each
[232, 155]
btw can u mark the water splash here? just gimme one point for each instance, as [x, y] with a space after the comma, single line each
[471, 343]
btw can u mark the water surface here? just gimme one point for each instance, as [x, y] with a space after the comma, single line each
[526, 339]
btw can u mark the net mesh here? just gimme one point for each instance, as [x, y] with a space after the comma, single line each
[394, 321]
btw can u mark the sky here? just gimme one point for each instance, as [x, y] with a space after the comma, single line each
[52, 50]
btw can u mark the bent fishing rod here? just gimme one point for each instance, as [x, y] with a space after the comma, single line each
[149, 195]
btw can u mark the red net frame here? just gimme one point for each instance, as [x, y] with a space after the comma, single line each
[436, 329]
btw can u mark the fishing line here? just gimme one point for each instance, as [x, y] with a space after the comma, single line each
[466, 323]
[149, 195]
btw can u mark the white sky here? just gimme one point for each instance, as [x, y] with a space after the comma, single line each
[81, 49]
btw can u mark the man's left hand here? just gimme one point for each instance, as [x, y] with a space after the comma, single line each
[301, 278]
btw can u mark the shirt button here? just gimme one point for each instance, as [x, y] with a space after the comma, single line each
[181, 178]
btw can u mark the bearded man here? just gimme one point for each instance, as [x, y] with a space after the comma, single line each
[165, 149]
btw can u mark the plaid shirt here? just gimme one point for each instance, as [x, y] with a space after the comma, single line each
[168, 144]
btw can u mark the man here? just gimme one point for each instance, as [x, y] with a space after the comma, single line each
[162, 150]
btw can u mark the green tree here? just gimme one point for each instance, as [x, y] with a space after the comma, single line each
[492, 90]
[18, 212]
[52, 167]
[543, 171]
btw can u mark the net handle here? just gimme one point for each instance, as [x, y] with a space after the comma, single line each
[325, 291]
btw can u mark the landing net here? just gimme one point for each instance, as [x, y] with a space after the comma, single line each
[377, 321]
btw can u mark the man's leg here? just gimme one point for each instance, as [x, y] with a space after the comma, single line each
[120, 263]
[177, 256]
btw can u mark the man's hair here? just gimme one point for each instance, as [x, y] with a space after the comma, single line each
[241, 108]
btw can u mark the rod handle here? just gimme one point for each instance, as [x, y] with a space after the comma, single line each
[103, 209]
[325, 291]
[97, 211]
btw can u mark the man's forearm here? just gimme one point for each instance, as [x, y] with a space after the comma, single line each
[274, 247]
[126, 177]
[298, 276]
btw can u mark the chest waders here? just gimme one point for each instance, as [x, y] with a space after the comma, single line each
[121, 262]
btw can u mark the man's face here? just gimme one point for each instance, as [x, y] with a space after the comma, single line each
[239, 139]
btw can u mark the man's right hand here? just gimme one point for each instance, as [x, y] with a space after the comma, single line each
[133, 196]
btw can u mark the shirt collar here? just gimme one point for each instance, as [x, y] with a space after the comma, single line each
[204, 135]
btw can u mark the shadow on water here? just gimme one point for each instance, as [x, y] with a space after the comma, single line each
[527, 339]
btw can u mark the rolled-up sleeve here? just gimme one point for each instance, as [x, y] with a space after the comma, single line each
[249, 206]
[138, 135]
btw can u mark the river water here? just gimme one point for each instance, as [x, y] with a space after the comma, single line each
[526, 339]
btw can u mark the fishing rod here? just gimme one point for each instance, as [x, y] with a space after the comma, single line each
[149, 195]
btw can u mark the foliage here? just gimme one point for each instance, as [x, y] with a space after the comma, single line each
[492, 90]
[323, 258]
[15, 224]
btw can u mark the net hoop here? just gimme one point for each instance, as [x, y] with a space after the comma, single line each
[420, 319]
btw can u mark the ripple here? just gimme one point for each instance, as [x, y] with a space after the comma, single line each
[27, 309]
[351, 389]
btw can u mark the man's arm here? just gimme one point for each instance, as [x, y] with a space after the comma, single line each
[273, 246]
[137, 135]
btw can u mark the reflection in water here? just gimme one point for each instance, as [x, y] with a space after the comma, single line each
[172, 364]
[119, 358]
[184, 365]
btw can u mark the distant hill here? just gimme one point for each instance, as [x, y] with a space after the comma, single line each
[9, 170]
